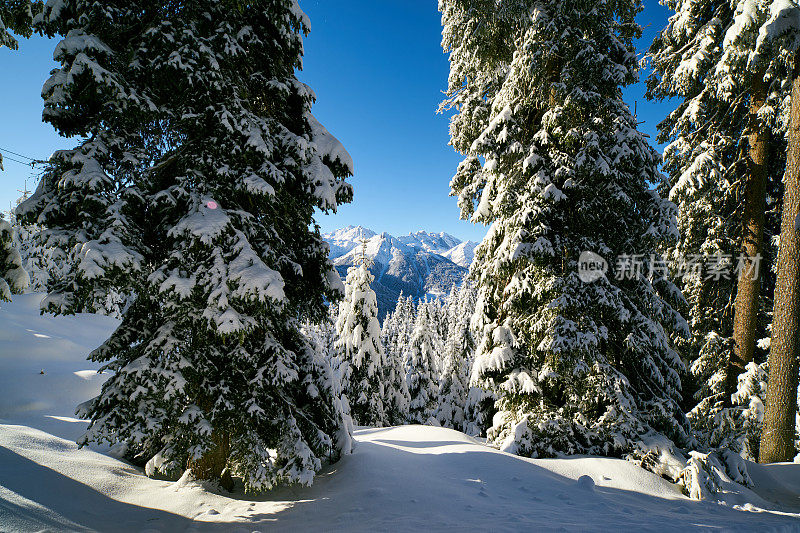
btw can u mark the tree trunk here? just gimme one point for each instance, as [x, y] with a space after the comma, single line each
[748, 286]
[777, 434]
[213, 465]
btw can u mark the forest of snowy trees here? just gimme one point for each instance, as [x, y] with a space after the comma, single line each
[415, 368]
[187, 210]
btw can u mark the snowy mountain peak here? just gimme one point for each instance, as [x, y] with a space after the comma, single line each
[419, 264]
[463, 254]
[437, 243]
[344, 240]
[350, 233]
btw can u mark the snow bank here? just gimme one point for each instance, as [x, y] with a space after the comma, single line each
[44, 373]
[398, 479]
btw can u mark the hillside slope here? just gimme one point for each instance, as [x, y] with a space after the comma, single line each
[410, 478]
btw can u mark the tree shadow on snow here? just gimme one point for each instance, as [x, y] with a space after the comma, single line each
[70, 505]
[422, 444]
[385, 488]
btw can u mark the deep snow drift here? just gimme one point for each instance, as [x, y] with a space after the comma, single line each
[405, 478]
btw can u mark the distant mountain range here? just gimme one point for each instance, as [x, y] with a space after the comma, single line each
[418, 264]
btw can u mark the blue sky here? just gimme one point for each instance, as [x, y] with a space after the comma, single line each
[378, 70]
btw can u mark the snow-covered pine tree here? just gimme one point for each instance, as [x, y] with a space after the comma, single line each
[33, 263]
[479, 409]
[396, 398]
[421, 362]
[558, 167]
[323, 333]
[322, 337]
[46, 265]
[716, 133]
[450, 311]
[452, 392]
[13, 277]
[390, 328]
[398, 326]
[441, 321]
[407, 316]
[195, 192]
[479, 406]
[360, 348]
[459, 349]
[16, 16]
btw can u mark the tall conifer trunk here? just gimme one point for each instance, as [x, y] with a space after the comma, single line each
[213, 465]
[749, 282]
[777, 437]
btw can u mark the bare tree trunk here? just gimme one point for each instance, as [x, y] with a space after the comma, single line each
[777, 434]
[213, 465]
[748, 286]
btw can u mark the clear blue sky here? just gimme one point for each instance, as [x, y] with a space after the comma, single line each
[378, 70]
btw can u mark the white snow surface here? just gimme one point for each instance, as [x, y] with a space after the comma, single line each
[31, 344]
[410, 478]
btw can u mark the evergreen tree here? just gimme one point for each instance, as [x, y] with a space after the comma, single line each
[394, 378]
[194, 191]
[441, 320]
[557, 167]
[394, 335]
[459, 351]
[322, 337]
[16, 16]
[479, 406]
[724, 160]
[398, 327]
[396, 395]
[407, 316]
[46, 265]
[452, 392]
[34, 262]
[360, 348]
[421, 363]
[323, 334]
[390, 328]
[13, 278]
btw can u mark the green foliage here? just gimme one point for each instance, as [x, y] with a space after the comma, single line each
[194, 191]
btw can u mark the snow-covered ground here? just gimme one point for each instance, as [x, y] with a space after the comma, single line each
[398, 479]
